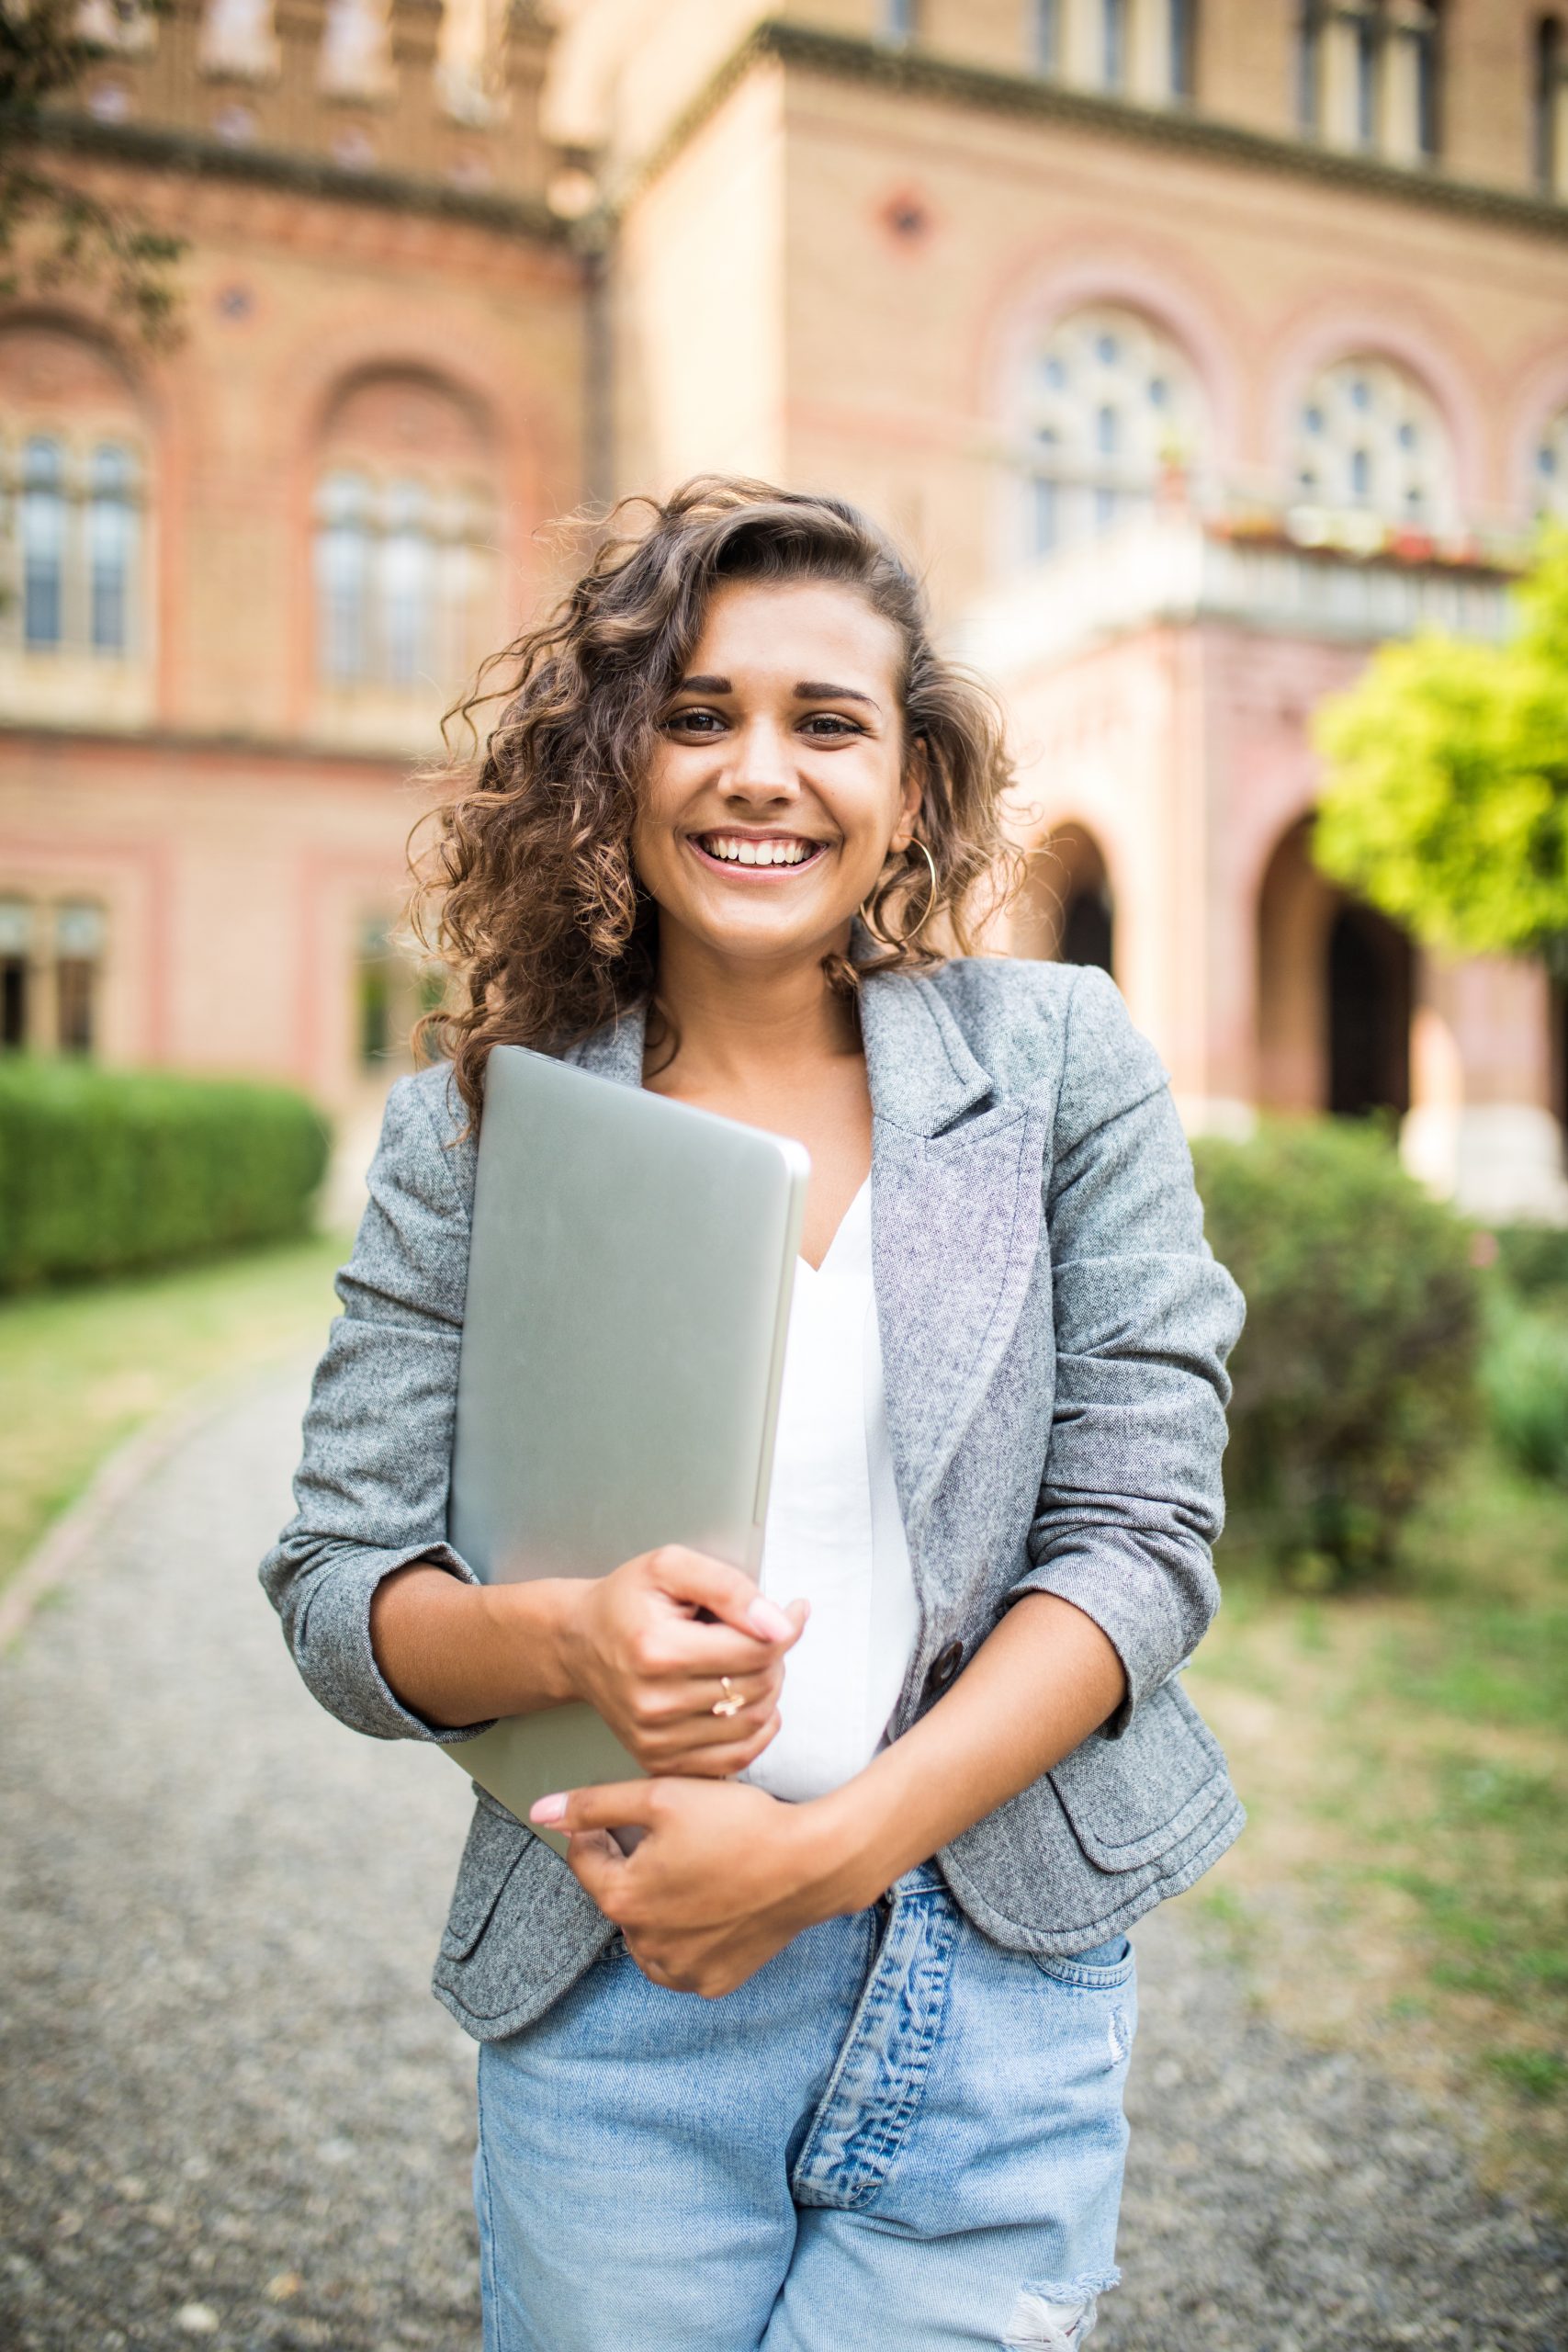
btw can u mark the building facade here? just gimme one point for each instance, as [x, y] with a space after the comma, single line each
[1194, 346]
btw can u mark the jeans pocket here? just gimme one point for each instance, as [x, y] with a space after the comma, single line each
[1084, 1973]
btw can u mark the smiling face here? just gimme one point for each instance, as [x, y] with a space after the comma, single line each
[781, 778]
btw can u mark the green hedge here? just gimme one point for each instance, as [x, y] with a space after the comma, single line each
[1354, 1377]
[1524, 1377]
[101, 1171]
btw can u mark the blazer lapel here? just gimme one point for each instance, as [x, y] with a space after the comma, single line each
[955, 1202]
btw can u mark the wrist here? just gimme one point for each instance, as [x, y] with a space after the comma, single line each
[839, 1855]
[537, 1621]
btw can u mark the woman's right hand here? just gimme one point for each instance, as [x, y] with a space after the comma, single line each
[636, 1648]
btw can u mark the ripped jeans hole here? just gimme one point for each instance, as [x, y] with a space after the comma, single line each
[1041, 2323]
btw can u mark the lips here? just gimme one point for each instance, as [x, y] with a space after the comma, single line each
[757, 852]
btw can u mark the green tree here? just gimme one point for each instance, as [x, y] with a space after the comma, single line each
[1445, 801]
[52, 234]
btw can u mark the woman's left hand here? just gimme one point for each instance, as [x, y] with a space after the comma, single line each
[723, 1877]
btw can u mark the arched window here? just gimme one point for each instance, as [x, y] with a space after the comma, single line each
[77, 547]
[1108, 402]
[76, 603]
[399, 575]
[403, 559]
[1368, 440]
[1551, 468]
[1367, 74]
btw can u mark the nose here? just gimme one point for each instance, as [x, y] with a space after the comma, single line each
[762, 769]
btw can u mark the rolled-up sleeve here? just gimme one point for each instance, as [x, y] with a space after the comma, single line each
[1145, 1316]
[371, 1490]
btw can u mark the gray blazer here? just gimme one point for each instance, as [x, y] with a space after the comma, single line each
[1053, 1333]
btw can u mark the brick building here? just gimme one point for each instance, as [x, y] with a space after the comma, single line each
[1194, 345]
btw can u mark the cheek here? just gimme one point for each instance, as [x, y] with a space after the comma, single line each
[651, 826]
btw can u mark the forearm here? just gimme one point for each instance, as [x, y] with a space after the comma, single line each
[458, 1653]
[1044, 1680]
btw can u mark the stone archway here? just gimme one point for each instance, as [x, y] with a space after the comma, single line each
[1064, 912]
[1369, 978]
[1335, 985]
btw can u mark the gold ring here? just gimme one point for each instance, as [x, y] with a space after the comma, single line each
[731, 1703]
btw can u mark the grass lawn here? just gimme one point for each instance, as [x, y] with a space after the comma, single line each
[81, 1368]
[1404, 1754]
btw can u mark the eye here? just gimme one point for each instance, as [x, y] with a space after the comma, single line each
[694, 722]
[827, 724]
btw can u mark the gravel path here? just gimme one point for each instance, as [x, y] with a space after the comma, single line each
[232, 2113]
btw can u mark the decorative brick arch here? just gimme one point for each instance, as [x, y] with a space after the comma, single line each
[1082, 268]
[1540, 394]
[158, 394]
[1378, 322]
[1080, 857]
[311, 377]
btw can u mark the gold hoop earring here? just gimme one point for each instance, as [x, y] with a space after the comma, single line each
[915, 843]
[876, 931]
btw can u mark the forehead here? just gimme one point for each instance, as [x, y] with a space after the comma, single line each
[800, 628]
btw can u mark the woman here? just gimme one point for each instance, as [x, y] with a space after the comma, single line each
[904, 1803]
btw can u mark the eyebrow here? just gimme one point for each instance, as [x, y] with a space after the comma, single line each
[807, 690]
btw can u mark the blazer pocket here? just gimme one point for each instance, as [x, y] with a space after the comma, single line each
[1131, 1800]
[495, 1846]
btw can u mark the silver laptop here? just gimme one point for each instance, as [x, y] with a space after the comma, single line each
[623, 1350]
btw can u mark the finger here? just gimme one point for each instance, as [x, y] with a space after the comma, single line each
[721, 1763]
[617, 1805]
[703, 1726]
[686, 1647]
[732, 1594]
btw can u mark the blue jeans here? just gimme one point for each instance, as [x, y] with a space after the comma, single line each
[896, 2138]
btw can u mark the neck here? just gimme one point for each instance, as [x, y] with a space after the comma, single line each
[735, 1020]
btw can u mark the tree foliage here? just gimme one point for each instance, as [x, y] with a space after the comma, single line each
[53, 234]
[1447, 794]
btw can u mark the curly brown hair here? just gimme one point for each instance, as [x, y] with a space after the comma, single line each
[527, 891]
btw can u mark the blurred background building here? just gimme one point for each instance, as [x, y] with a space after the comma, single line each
[1194, 347]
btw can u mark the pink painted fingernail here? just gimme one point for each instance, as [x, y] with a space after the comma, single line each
[547, 1809]
[765, 1618]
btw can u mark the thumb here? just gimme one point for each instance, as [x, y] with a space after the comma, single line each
[617, 1805]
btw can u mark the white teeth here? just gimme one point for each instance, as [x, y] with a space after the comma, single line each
[735, 852]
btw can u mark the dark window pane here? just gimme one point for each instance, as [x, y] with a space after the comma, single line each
[1183, 47]
[74, 984]
[1043, 516]
[1114, 42]
[13, 1003]
[1046, 43]
[1366, 83]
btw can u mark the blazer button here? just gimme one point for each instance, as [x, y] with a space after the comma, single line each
[944, 1669]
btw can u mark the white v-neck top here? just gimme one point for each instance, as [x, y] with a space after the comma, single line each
[834, 1533]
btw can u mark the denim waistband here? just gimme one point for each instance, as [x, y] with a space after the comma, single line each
[924, 1879]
